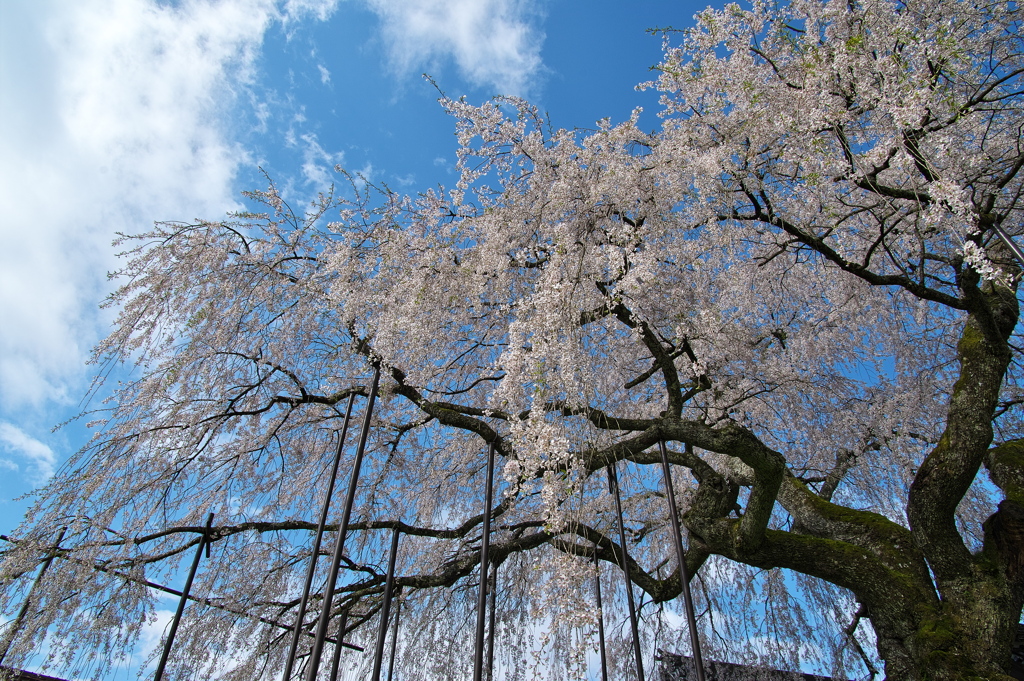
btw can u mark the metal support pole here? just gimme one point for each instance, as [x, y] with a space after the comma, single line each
[385, 610]
[325, 614]
[492, 594]
[394, 641]
[204, 542]
[314, 556]
[600, 618]
[684, 577]
[1010, 243]
[485, 545]
[339, 642]
[613, 487]
[16, 624]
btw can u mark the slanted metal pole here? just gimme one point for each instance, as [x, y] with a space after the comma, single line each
[684, 577]
[613, 487]
[485, 544]
[600, 618]
[1010, 243]
[204, 542]
[325, 614]
[314, 556]
[394, 641]
[16, 624]
[385, 610]
[339, 642]
[492, 594]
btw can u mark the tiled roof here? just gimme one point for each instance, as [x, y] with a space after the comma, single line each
[9, 674]
[680, 668]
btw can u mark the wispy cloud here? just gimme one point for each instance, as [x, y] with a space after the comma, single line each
[299, 9]
[38, 459]
[317, 163]
[494, 43]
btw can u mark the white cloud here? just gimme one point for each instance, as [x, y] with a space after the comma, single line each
[365, 173]
[325, 75]
[320, 9]
[39, 458]
[442, 162]
[317, 163]
[493, 42]
[120, 119]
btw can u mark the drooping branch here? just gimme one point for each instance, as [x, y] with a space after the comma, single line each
[661, 356]
[217, 604]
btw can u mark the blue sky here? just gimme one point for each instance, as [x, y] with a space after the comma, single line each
[116, 113]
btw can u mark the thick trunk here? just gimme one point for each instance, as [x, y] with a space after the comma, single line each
[923, 635]
[958, 641]
[940, 612]
[966, 632]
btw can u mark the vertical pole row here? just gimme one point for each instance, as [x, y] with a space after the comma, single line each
[203, 543]
[300, 616]
[600, 618]
[325, 614]
[684, 577]
[385, 610]
[394, 641]
[336, 659]
[485, 544]
[16, 624]
[613, 487]
[492, 593]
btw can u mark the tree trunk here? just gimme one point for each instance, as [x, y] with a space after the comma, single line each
[940, 612]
